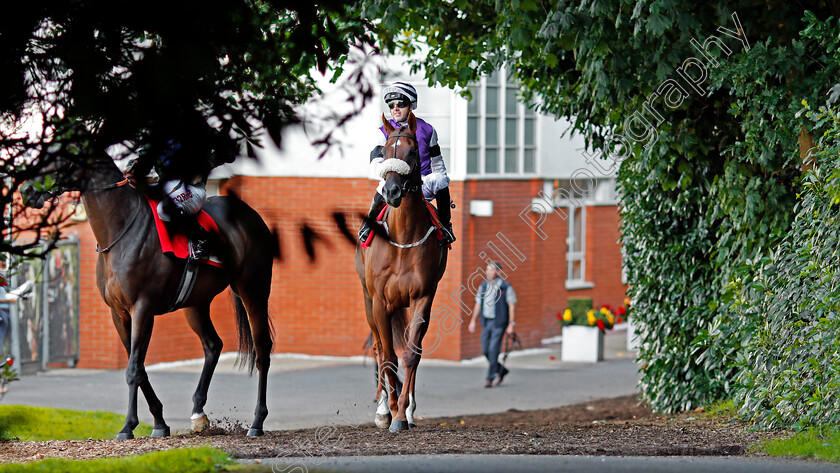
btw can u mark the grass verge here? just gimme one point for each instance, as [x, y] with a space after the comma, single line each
[29, 423]
[821, 443]
[182, 460]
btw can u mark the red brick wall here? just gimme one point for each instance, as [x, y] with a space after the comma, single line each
[539, 280]
[317, 306]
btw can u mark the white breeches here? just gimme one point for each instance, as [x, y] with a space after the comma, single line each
[186, 197]
[432, 183]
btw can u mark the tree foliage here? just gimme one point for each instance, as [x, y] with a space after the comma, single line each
[84, 78]
[712, 171]
[788, 302]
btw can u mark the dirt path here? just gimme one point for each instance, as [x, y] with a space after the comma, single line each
[605, 427]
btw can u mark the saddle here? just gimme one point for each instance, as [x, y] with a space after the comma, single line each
[383, 215]
[177, 243]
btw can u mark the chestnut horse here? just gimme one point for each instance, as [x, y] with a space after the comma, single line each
[399, 276]
[138, 282]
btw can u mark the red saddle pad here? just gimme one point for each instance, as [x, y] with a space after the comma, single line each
[177, 243]
[432, 212]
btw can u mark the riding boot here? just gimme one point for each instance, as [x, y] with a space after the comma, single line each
[199, 236]
[445, 215]
[375, 206]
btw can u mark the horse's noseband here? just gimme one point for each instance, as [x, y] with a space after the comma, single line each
[406, 186]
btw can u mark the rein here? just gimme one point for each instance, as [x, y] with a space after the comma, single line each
[113, 186]
[122, 233]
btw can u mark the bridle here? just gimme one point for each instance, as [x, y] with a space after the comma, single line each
[115, 185]
[406, 186]
[134, 215]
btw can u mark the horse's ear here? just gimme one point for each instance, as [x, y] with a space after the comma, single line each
[412, 122]
[388, 128]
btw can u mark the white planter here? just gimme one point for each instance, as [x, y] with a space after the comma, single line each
[632, 335]
[582, 343]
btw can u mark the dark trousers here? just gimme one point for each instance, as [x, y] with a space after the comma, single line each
[491, 346]
[443, 202]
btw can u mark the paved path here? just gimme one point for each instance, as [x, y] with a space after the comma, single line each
[544, 463]
[310, 392]
[315, 391]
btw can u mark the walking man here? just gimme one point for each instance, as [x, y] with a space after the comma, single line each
[495, 302]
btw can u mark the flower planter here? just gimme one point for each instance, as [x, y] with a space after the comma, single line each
[582, 343]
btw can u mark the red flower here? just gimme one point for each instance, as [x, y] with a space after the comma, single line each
[601, 324]
[622, 311]
[560, 316]
[9, 361]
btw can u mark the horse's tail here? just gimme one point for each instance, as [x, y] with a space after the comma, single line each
[399, 322]
[247, 353]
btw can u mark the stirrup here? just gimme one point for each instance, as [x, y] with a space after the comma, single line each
[364, 233]
[199, 249]
[448, 236]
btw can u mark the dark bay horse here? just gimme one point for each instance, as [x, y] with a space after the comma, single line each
[138, 282]
[399, 278]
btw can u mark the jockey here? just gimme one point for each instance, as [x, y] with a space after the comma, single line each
[184, 198]
[400, 96]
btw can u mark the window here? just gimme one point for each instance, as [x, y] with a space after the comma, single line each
[573, 196]
[529, 161]
[491, 125]
[512, 122]
[473, 119]
[576, 249]
[501, 132]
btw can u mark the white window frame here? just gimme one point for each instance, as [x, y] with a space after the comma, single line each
[573, 257]
[569, 205]
[520, 114]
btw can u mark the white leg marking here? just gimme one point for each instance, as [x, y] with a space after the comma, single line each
[197, 415]
[382, 419]
[409, 412]
[382, 407]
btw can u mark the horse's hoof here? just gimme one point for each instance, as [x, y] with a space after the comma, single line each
[161, 432]
[398, 425]
[383, 420]
[199, 424]
[252, 432]
[411, 425]
[125, 436]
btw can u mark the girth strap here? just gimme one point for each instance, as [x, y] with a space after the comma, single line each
[186, 285]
